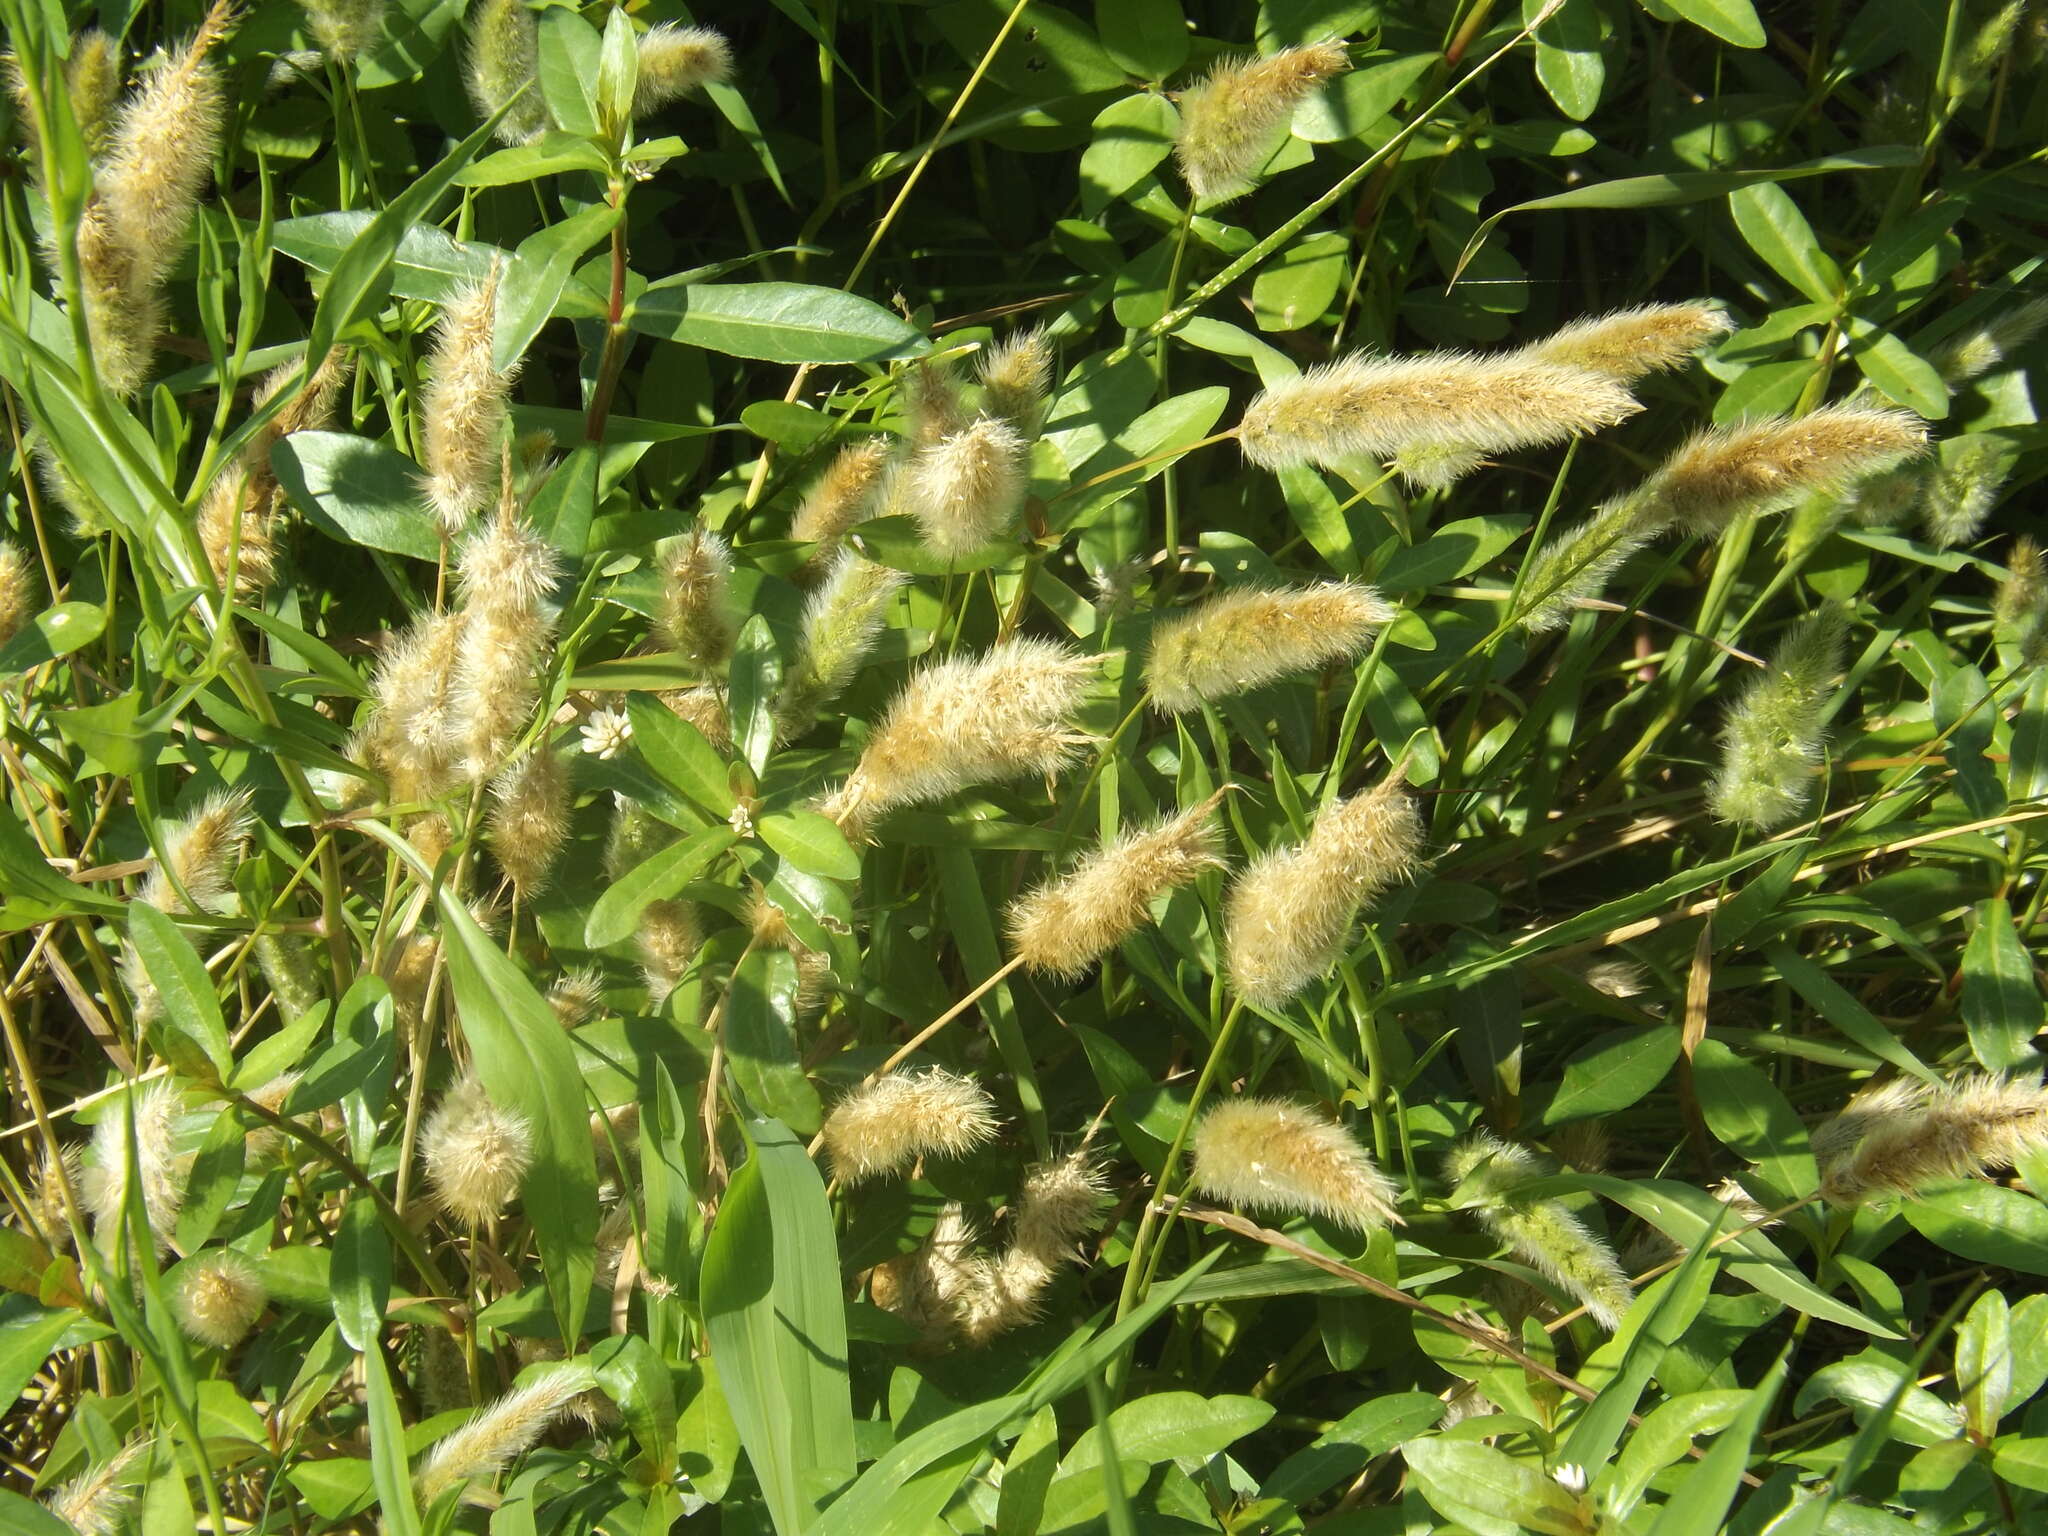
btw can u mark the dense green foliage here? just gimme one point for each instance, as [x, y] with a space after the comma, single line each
[481, 788]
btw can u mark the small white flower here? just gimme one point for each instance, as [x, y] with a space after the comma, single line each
[1570, 1477]
[606, 733]
[742, 819]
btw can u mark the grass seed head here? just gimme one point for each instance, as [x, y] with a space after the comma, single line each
[577, 997]
[969, 720]
[1069, 922]
[1243, 638]
[99, 1501]
[200, 852]
[1541, 1233]
[1905, 1135]
[1277, 1156]
[698, 618]
[842, 497]
[667, 940]
[677, 61]
[463, 408]
[2021, 606]
[1288, 917]
[1765, 466]
[19, 597]
[1232, 121]
[159, 1171]
[343, 29]
[496, 1434]
[1774, 735]
[967, 489]
[1016, 378]
[885, 1126]
[1385, 406]
[1962, 486]
[477, 1152]
[842, 619]
[1988, 348]
[529, 818]
[217, 1296]
[503, 63]
[1629, 344]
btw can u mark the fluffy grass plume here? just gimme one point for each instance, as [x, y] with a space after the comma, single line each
[697, 619]
[1066, 924]
[502, 65]
[505, 572]
[1578, 563]
[1241, 639]
[885, 1126]
[1381, 406]
[238, 515]
[19, 596]
[969, 720]
[1989, 347]
[1288, 917]
[1231, 122]
[1765, 466]
[529, 818]
[1962, 486]
[217, 1297]
[967, 489]
[99, 1500]
[666, 941]
[841, 497]
[507, 1428]
[158, 1170]
[199, 855]
[1016, 378]
[1774, 734]
[409, 738]
[1277, 1156]
[463, 407]
[1541, 1233]
[675, 61]
[1629, 344]
[343, 29]
[1906, 1135]
[476, 1152]
[2021, 604]
[841, 621]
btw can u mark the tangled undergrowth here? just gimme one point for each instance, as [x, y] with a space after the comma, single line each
[1004, 767]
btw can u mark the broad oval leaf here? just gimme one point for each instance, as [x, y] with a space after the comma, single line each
[50, 634]
[776, 322]
[357, 492]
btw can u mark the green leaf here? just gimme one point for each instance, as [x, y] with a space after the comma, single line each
[390, 1469]
[679, 755]
[658, 877]
[1984, 1364]
[813, 843]
[28, 1335]
[1568, 62]
[2001, 1001]
[1777, 231]
[1733, 21]
[777, 1328]
[1356, 102]
[756, 685]
[1147, 37]
[1707, 1494]
[1750, 1117]
[1489, 1492]
[359, 1279]
[776, 323]
[215, 1172]
[571, 53]
[1020, 1502]
[521, 1052]
[1842, 1010]
[1983, 1222]
[1454, 550]
[1296, 290]
[531, 286]
[1905, 377]
[2023, 1462]
[195, 1036]
[618, 72]
[1165, 1426]
[760, 1039]
[1160, 434]
[25, 1517]
[1340, 1452]
[1130, 139]
[633, 1376]
[35, 891]
[1613, 1072]
[428, 262]
[357, 492]
[50, 634]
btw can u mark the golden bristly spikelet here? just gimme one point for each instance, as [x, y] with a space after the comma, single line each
[577, 997]
[1988, 348]
[1543, 1234]
[463, 407]
[506, 572]
[239, 511]
[48, 1180]
[18, 596]
[703, 706]
[666, 941]
[92, 77]
[841, 498]
[934, 405]
[503, 64]
[157, 160]
[409, 740]
[505, 1429]
[2021, 605]
[343, 29]
[99, 1500]
[217, 1297]
[1629, 344]
[1433, 466]
[928, 1288]
[1016, 378]
[529, 818]
[1288, 916]
[1380, 406]
[1275, 1156]
[1765, 466]
[967, 489]
[841, 621]
[697, 618]
[476, 1152]
[887, 1125]
[1775, 730]
[159, 1171]
[1578, 563]
[199, 854]
[675, 61]
[1250, 636]
[1905, 1136]
[1961, 486]
[969, 720]
[1060, 1202]
[1066, 924]
[1231, 122]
